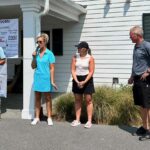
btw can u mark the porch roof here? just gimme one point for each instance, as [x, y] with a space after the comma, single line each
[66, 10]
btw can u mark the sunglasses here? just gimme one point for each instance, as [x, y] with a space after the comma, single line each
[39, 42]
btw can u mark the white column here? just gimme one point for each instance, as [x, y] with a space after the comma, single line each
[31, 28]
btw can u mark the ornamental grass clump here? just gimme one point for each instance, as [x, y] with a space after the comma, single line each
[104, 100]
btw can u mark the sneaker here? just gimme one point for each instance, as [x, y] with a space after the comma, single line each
[49, 122]
[35, 121]
[145, 137]
[75, 123]
[140, 131]
[88, 125]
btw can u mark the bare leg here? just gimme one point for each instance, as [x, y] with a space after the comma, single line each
[37, 104]
[78, 101]
[48, 104]
[148, 110]
[89, 103]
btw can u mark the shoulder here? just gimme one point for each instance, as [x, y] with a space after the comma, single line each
[146, 44]
[1, 49]
[49, 52]
[75, 56]
[91, 57]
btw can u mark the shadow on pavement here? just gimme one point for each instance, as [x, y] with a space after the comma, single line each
[128, 129]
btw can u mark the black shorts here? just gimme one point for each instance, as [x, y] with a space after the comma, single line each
[141, 92]
[87, 89]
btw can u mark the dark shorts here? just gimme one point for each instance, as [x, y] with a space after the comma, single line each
[87, 89]
[141, 92]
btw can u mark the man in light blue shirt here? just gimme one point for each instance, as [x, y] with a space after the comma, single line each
[2, 56]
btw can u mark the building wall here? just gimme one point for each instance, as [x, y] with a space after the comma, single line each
[106, 28]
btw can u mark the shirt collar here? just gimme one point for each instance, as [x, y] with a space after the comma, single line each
[140, 45]
[46, 51]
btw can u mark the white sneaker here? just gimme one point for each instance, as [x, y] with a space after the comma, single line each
[75, 123]
[49, 122]
[35, 121]
[88, 125]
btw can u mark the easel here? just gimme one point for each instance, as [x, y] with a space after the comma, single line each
[0, 107]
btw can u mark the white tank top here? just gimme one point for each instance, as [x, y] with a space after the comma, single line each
[82, 64]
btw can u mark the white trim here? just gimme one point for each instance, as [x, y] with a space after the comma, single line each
[65, 10]
[27, 114]
[8, 2]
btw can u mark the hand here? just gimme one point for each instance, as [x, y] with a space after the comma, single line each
[55, 86]
[34, 54]
[144, 75]
[130, 81]
[81, 84]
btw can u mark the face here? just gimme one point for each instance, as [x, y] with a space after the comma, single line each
[41, 42]
[82, 50]
[134, 37]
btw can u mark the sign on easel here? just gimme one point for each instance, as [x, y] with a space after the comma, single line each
[3, 83]
[9, 37]
[3, 80]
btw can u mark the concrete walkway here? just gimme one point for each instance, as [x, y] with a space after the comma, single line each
[17, 134]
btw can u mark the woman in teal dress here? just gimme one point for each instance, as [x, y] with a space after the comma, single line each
[43, 63]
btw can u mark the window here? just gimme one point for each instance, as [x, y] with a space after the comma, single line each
[146, 26]
[57, 42]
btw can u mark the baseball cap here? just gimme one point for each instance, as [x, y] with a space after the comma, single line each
[82, 45]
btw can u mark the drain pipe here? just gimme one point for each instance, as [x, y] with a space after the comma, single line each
[38, 19]
[46, 8]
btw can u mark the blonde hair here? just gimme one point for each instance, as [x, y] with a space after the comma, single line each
[44, 36]
[137, 30]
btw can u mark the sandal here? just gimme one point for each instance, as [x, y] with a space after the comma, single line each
[75, 123]
[88, 125]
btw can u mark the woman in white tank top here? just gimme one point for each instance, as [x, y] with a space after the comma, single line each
[82, 68]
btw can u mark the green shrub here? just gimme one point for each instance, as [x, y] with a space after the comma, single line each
[111, 106]
[103, 102]
[127, 112]
[64, 107]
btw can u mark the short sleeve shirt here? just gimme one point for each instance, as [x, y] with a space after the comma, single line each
[2, 55]
[141, 58]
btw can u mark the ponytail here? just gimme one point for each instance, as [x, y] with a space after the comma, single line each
[89, 51]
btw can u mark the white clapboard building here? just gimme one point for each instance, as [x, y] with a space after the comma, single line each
[104, 24]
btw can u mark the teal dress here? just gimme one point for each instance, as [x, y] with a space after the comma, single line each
[42, 76]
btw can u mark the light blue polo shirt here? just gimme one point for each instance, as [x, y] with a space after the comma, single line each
[42, 77]
[2, 55]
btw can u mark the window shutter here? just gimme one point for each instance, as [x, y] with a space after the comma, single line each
[146, 26]
[57, 42]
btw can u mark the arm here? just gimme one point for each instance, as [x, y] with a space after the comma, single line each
[2, 61]
[33, 63]
[2, 57]
[130, 80]
[147, 72]
[91, 71]
[52, 71]
[73, 69]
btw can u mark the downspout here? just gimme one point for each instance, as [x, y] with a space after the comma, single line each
[46, 8]
[38, 19]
